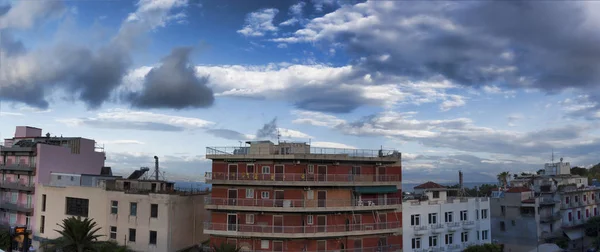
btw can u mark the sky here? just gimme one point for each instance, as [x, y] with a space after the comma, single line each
[477, 86]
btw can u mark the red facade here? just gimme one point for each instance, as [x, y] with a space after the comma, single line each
[318, 203]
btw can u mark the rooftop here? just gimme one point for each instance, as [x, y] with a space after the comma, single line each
[265, 148]
[518, 190]
[430, 185]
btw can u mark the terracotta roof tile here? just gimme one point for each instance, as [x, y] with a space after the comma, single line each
[429, 185]
[518, 190]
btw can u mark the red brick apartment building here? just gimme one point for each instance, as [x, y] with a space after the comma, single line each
[293, 197]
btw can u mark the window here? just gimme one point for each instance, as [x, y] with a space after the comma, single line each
[152, 237]
[595, 211]
[448, 217]
[310, 169]
[502, 226]
[309, 219]
[503, 210]
[584, 197]
[433, 218]
[567, 200]
[249, 218]
[132, 234]
[436, 194]
[114, 207]
[133, 209]
[570, 216]
[59, 177]
[463, 215]
[464, 237]
[476, 215]
[264, 244]
[449, 238]
[77, 207]
[42, 224]
[416, 243]
[264, 195]
[153, 210]
[250, 168]
[432, 241]
[43, 202]
[415, 220]
[72, 178]
[266, 169]
[484, 213]
[576, 198]
[249, 193]
[113, 232]
[484, 235]
[578, 214]
[587, 213]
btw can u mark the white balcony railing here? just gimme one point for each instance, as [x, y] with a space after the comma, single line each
[301, 203]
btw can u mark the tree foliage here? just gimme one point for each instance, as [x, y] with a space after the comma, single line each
[592, 226]
[503, 178]
[81, 235]
[579, 171]
[484, 248]
[226, 247]
[4, 239]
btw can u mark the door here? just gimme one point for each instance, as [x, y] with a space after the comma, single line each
[279, 172]
[382, 199]
[321, 246]
[381, 174]
[279, 198]
[277, 224]
[232, 222]
[355, 173]
[232, 197]
[250, 170]
[322, 173]
[358, 245]
[233, 172]
[321, 223]
[322, 198]
[278, 246]
[382, 221]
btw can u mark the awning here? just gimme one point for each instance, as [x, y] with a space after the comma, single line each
[574, 234]
[375, 189]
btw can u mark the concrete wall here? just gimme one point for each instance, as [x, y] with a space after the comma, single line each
[58, 159]
[521, 232]
[26, 131]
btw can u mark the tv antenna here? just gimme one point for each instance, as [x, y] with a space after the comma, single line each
[156, 173]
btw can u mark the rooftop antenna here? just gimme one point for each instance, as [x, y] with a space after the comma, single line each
[278, 136]
[461, 189]
[156, 172]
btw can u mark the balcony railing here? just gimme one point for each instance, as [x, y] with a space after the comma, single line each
[300, 204]
[258, 230]
[17, 185]
[19, 207]
[17, 167]
[300, 177]
[548, 201]
[550, 217]
[227, 151]
[388, 248]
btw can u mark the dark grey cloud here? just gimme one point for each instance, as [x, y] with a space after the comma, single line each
[327, 99]
[268, 131]
[174, 84]
[4, 8]
[511, 43]
[114, 124]
[227, 134]
[9, 45]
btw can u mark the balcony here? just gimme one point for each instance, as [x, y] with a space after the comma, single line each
[298, 205]
[468, 224]
[302, 152]
[18, 207]
[573, 224]
[453, 226]
[420, 230]
[548, 202]
[437, 249]
[438, 228]
[300, 232]
[20, 186]
[547, 218]
[301, 179]
[17, 149]
[388, 248]
[453, 247]
[17, 167]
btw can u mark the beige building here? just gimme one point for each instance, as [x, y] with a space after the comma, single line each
[145, 215]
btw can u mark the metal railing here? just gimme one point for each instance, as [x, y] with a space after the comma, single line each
[453, 224]
[437, 226]
[301, 203]
[387, 248]
[276, 150]
[467, 223]
[17, 185]
[211, 176]
[17, 167]
[18, 206]
[420, 228]
[550, 217]
[312, 229]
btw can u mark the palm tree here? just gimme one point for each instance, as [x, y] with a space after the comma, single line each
[226, 247]
[77, 235]
[503, 178]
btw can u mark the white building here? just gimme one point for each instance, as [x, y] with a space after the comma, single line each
[435, 222]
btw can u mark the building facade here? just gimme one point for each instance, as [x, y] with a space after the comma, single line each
[434, 221]
[293, 197]
[145, 215]
[28, 159]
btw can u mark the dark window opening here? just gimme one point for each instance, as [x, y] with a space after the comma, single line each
[153, 237]
[77, 207]
[132, 234]
[154, 210]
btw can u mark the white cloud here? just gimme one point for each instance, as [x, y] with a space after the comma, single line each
[10, 114]
[316, 118]
[289, 133]
[121, 142]
[24, 14]
[331, 145]
[258, 23]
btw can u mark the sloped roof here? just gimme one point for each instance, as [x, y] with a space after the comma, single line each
[429, 185]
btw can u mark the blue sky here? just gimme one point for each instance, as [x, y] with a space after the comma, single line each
[475, 86]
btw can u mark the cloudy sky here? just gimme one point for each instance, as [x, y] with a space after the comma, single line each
[480, 86]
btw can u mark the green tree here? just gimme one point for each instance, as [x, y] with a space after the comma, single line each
[4, 239]
[226, 247]
[81, 235]
[592, 226]
[540, 171]
[579, 171]
[484, 248]
[503, 178]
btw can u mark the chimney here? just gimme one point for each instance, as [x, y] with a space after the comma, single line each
[156, 167]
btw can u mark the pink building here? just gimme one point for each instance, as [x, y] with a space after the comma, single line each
[28, 158]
